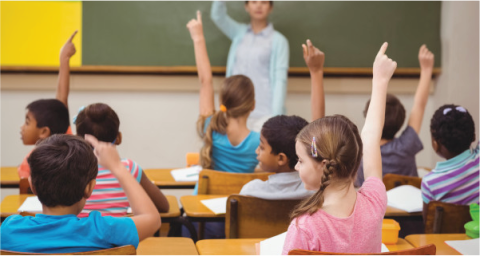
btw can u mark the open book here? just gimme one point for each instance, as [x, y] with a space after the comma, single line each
[406, 197]
[186, 174]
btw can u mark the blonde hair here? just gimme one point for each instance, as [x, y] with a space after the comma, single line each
[338, 143]
[237, 94]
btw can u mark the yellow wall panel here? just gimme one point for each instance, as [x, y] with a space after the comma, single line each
[32, 33]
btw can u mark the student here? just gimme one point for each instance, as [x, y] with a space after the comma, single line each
[64, 168]
[454, 180]
[228, 144]
[337, 218]
[258, 52]
[398, 154]
[49, 116]
[108, 197]
[276, 152]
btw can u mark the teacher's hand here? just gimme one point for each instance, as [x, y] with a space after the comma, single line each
[314, 58]
[195, 27]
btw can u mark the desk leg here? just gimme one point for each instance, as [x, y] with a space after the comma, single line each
[201, 230]
[176, 228]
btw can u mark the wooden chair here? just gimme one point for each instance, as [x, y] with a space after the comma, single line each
[193, 158]
[122, 250]
[24, 186]
[446, 218]
[224, 183]
[394, 180]
[429, 249]
[251, 217]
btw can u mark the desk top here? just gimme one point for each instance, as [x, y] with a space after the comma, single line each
[247, 246]
[10, 205]
[163, 178]
[9, 176]
[438, 240]
[167, 246]
[194, 208]
[395, 212]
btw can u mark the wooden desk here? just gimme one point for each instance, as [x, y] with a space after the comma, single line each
[195, 209]
[10, 205]
[162, 178]
[395, 212]
[9, 177]
[167, 246]
[438, 240]
[247, 246]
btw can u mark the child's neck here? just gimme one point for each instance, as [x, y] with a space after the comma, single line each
[339, 199]
[284, 168]
[258, 25]
[237, 129]
[63, 210]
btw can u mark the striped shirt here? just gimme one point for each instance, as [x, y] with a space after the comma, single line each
[454, 181]
[108, 196]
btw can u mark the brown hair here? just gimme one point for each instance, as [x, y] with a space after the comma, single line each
[394, 116]
[98, 120]
[238, 96]
[338, 142]
[62, 166]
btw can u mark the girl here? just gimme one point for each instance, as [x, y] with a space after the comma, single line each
[337, 218]
[259, 52]
[454, 180]
[108, 196]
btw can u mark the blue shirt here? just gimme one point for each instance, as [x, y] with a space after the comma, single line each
[66, 233]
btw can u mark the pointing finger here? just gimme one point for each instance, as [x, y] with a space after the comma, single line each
[305, 51]
[199, 16]
[311, 49]
[383, 49]
[73, 35]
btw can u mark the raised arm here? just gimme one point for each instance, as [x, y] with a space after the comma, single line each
[383, 69]
[280, 75]
[426, 59]
[146, 217]
[227, 25]
[63, 86]
[203, 66]
[314, 58]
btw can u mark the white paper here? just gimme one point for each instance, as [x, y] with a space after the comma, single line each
[273, 245]
[465, 247]
[406, 197]
[216, 205]
[31, 204]
[384, 248]
[186, 174]
[129, 210]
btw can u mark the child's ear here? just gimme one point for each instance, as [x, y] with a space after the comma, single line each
[118, 140]
[282, 159]
[89, 188]
[31, 186]
[44, 132]
[435, 145]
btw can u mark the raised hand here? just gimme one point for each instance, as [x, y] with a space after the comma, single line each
[426, 58]
[383, 67]
[68, 49]
[314, 58]
[106, 153]
[195, 27]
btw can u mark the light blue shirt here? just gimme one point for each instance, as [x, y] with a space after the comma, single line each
[66, 233]
[253, 60]
[279, 56]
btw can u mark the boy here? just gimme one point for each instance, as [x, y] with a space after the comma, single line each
[64, 168]
[276, 152]
[398, 154]
[49, 116]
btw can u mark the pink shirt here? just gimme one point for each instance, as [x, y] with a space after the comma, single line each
[361, 232]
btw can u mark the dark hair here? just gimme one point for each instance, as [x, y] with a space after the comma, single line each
[98, 120]
[50, 113]
[280, 133]
[453, 128]
[394, 116]
[271, 2]
[61, 168]
[237, 94]
[338, 142]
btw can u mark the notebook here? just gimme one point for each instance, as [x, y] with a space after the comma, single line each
[406, 197]
[31, 204]
[186, 174]
[465, 247]
[216, 205]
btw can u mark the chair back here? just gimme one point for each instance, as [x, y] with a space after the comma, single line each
[24, 186]
[251, 217]
[193, 158]
[224, 183]
[394, 180]
[122, 250]
[446, 218]
[429, 249]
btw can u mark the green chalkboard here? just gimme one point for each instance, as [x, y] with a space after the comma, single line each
[350, 33]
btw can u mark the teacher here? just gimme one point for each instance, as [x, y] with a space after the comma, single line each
[258, 52]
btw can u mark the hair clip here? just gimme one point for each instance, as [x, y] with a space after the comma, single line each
[459, 108]
[80, 109]
[223, 108]
[313, 148]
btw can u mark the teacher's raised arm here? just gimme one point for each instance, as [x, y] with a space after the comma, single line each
[259, 52]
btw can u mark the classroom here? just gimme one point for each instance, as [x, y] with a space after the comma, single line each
[161, 65]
